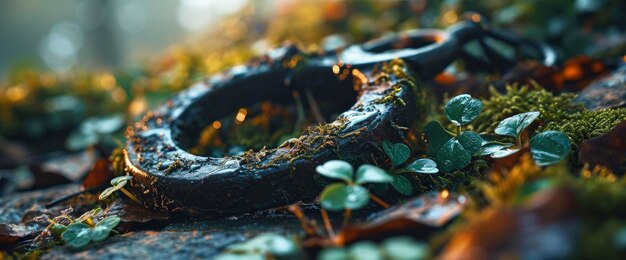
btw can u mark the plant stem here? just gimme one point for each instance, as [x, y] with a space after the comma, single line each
[328, 225]
[458, 130]
[346, 216]
[306, 225]
[130, 195]
[379, 201]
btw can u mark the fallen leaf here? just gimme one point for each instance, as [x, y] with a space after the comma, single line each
[421, 215]
[99, 175]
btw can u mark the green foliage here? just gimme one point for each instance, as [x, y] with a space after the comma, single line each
[549, 147]
[339, 196]
[556, 113]
[454, 151]
[462, 109]
[394, 248]
[513, 126]
[398, 153]
[263, 246]
[79, 234]
[352, 195]
[336, 169]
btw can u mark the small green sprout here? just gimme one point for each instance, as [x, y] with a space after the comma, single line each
[263, 246]
[118, 184]
[546, 148]
[80, 234]
[398, 154]
[349, 195]
[395, 248]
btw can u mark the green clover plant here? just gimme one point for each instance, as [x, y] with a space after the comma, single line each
[398, 154]
[454, 151]
[546, 148]
[80, 234]
[351, 194]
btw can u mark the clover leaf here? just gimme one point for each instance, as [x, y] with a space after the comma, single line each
[549, 147]
[370, 173]
[457, 153]
[261, 247]
[462, 109]
[423, 165]
[79, 234]
[338, 196]
[513, 126]
[398, 153]
[436, 137]
[402, 185]
[336, 169]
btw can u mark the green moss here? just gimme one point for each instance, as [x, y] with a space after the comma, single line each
[557, 113]
[451, 181]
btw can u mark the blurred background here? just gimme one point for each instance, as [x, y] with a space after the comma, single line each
[74, 73]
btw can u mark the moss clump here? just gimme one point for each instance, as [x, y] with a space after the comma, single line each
[557, 113]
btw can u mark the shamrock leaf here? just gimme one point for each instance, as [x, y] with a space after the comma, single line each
[118, 183]
[452, 156]
[514, 125]
[338, 196]
[370, 173]
[436, 136]
[77, 235]
[102, 230]
[422, 166]
[549, 147]
[463, 109]
[336, 169]
[471, 141]
[404, 248]
[261, 247]
[402, 185]
[398, 153]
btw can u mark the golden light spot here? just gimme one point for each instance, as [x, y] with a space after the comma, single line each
[118, 95]
[137, 106]
[358, 74]
[16, 93]
[107, 81]
[439, 38]
[217, 124]
[47, 79]
[445, 194]
[336, 69]
[450, 17]
[572, 72]
[241, 115]
[476, 18]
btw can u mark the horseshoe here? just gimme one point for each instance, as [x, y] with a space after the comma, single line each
[168, 178]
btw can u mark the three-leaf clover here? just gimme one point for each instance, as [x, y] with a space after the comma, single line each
[398, 154]
[79, 234]
[449, 151]
[349, 195]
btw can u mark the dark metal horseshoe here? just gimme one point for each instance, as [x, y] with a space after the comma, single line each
[166, 177]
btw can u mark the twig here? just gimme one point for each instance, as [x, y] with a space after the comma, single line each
[327, 224]
[379, 201]
[304, 221]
